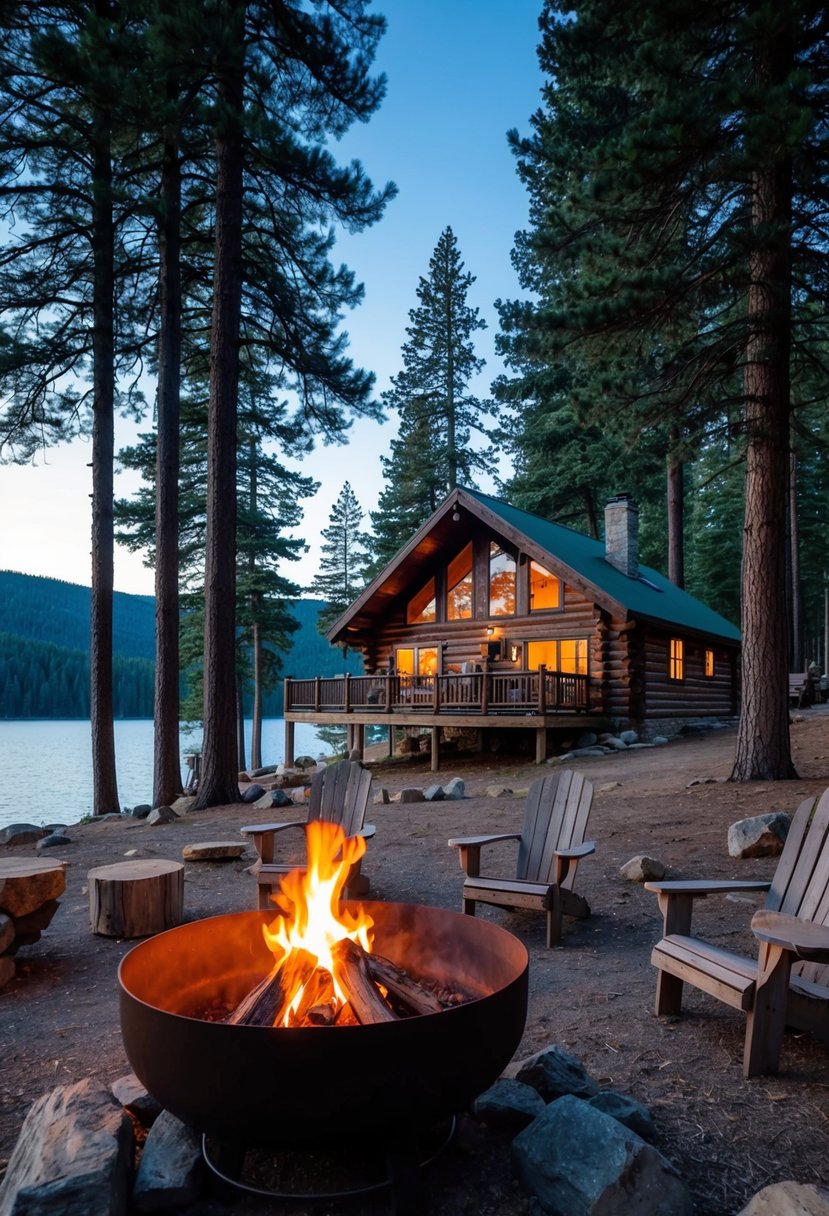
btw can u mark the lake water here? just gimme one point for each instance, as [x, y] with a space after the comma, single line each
[46, 766]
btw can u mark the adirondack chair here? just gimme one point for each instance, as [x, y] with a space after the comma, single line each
[550, 845]
[788, 983]
[339, 794]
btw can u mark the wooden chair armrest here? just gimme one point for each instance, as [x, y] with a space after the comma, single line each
[803, 938]
[469, 850]
[698, 887]
[264, 829]
[578, 850]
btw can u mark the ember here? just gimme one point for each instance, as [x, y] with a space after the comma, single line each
[324, 972]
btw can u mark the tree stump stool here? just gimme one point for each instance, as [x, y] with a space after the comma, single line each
[136, 898]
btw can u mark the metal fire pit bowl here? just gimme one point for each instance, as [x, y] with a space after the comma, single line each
[304, 1087]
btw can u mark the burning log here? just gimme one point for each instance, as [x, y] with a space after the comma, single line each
[353, 976]
[412, 995]
[264, 1004]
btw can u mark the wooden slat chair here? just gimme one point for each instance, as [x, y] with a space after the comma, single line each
[788, 983]
[339, 794]
[550, 845]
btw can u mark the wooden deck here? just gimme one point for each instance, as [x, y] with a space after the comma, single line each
[503, 699]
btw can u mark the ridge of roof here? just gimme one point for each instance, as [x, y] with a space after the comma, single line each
[650, 594]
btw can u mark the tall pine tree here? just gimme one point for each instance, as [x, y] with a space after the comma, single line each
[343, 559]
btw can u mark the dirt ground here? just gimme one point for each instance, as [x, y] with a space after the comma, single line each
[726, 1137]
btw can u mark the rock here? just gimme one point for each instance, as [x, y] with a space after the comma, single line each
[591, 751]
[498, 791]
[253, 792]
[27, 883]
[54, 827]
[381, 796]
[508, 1104]
[411, 794]
[6, 932]
[300, 795]
[52, 841]
[142, 810]
[171, 1170]
[613, 742]
[73, 1155]
[161, 814]
[182, 805]
[434, 793]
[577, 1160]
[132, 1095]
[271, 798]
[305, 762]
[587, 739]
[759, 835]
[627, 1110]
[455, 789]
[788, 1199]
[632, 747]
[553, 1072]
[705, 781]
[629, 736]
[266, 771]
[659, 740]
[213, 850]
[642, 868]
[22, 833]
[7, 969]
[608, 786]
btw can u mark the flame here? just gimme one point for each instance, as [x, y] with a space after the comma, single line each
[311, 920]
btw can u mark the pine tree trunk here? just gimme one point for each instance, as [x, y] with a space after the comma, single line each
[676, 522]
[797, 651]
[166, 759]
[104, 783]
[763, 750]
[219, 777]
[256, 724]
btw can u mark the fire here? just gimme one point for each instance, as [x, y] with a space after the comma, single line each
[312, 922]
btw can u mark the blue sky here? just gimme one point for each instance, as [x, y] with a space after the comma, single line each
[461, 73]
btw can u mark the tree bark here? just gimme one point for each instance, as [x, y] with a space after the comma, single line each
[676, 522]
[104, 783]
[763, 750]
[219, 777]
[166, 759]
[797, 647]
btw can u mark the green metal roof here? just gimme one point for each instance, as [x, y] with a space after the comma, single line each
[650, 595]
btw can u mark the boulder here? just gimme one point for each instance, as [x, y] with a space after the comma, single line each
[553, 1072]
[305, 762]
[53, 840]
[434, 793]
[22, 833]
[171, 1170]
[142, 810]
[587, 739]
[498, 791]
[213, 850]
[508, 1105]
[759, 835]
[411, 793]
[642, 868]
[161, 814]
[613, 742]
[455, 789]
[629, 736]
[381, 797]
[576, 1159]
[788, 1199]
[253, 792]
[74, 1154]
[627, 1110]
[134, 1098]
[591, 751]
[271, 798]
[182, 805]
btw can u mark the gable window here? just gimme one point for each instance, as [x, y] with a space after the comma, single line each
[420, 609]
[459, 586]
[709, 664]
[676, 659]
[501, 582]
[545, 589]
[559, 654]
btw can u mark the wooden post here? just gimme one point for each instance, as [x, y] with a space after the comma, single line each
[317, 694]
[391, 740]
[542, 689]
[436, 693]
[485, 692]
[136, 898]
[541, 745]
[435, 748]
[289, 744]
[347, 694]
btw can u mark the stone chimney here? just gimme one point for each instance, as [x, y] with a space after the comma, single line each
[621, 534]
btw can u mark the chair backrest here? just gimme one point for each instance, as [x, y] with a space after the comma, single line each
[555, 817]
[339, 794]
[800, 885]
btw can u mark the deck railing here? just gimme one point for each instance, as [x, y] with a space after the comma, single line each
[493, 692]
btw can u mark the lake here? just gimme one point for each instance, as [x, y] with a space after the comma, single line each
[46, 766]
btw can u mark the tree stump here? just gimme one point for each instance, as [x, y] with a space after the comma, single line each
[136, 898]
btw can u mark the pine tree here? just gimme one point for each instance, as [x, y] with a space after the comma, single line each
[432, 396]
[343, 559]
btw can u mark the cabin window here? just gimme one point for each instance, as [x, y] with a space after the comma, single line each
[420, 609]
[501, 582]
[459, 586]
[545, 589]
[676, 659]
[709, 664]
[416, 660]
[561, 654]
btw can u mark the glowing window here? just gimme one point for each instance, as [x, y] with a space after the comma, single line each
[427, 661]
[568, 654]
[459, 586]
[676, 659]
[404, 659]
[709, 663]
[421, 607]
[545, 589]
[501, 582]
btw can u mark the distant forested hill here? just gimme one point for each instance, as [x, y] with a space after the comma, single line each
[44, 650]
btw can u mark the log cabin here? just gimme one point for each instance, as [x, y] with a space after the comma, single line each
[497, 619]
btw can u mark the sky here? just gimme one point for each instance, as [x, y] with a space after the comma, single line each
[461, 73]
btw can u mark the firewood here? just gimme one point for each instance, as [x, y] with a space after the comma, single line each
[318, 993]
[351, 969]
[321, 1015]
[264, 1004]
[412, 995]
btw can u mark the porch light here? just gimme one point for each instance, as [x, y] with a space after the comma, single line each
[456, 515]
[514, 652]
[490, 629]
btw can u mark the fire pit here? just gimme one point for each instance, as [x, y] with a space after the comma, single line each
[277, 1086]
